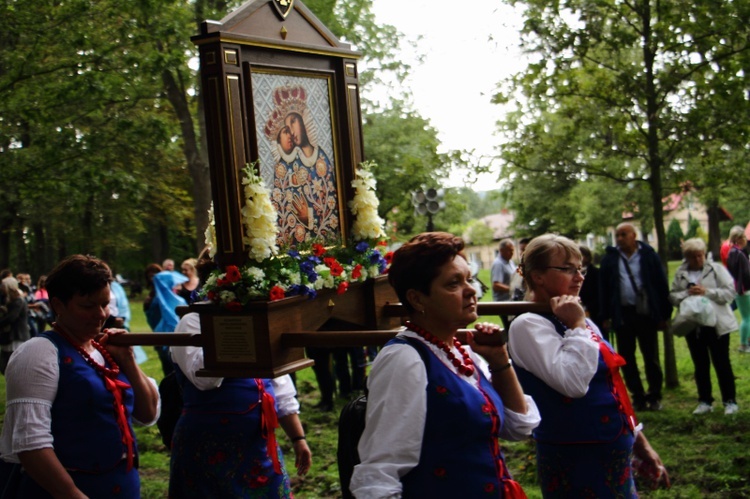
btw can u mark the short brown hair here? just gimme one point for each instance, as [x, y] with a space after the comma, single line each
[77, 274]
[416, 264]
[540, 249]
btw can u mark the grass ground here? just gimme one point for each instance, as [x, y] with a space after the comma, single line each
[707, 457]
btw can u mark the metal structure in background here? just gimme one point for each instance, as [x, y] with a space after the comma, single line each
[428, 202]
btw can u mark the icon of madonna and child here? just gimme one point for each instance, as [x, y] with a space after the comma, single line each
[304, 190]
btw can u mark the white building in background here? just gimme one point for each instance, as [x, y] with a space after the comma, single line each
[500, 224]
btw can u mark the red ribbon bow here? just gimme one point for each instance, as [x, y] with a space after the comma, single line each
[269, 422]
[614, 362]
[116, 388]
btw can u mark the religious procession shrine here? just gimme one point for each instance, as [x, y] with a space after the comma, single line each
[294, 224]
[282, 110]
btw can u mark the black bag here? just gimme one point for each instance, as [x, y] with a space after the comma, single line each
[10, 479]
[171, 407]
[351, 427]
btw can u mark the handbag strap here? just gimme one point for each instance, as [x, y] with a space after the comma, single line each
[630, 274]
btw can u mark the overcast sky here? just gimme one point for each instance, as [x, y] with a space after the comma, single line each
[469, 47]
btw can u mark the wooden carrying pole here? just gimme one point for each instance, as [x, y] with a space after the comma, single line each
[295, 339]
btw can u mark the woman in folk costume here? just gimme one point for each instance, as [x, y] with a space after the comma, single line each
[224, 443]
[71, 396]
[436, 410]
[588, 430]
[304, 190]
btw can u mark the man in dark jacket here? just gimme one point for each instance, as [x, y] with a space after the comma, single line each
[635, 304]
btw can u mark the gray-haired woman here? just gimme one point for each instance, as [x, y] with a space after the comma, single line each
[699, 277]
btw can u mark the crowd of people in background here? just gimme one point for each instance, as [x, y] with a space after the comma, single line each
[570, 377]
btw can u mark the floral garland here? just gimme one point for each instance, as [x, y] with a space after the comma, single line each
[364, 206]
[259, 217]
[210, 233]
[304, 271]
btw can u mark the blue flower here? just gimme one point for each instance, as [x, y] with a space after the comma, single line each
[362, 246]
[375, 257]
[306, 267]
[294, 290]
[293, 253]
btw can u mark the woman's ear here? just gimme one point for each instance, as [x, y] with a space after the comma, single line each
[537, 278]
[56, 305]
[415, 299]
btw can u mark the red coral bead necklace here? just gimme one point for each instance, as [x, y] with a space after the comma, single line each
[101, 369]
[465, 365]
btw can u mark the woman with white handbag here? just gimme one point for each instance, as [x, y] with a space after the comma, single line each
[708, 340]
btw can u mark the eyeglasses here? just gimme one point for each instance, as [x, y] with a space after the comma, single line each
[571, 271]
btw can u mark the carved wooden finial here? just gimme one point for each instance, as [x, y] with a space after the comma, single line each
[283, 7]
[283, 32]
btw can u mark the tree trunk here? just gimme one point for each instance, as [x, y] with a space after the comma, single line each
[714, 231]
[197, 166]
[655, 164]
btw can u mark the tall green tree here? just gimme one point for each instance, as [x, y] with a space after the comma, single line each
[81, 132]
[404, 147]
[617, 90]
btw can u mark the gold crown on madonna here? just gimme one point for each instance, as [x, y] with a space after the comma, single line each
[286, 100]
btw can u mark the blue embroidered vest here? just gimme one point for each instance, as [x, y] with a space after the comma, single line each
[595, 417]
[235, 395]
[456, 459]
[85, 431]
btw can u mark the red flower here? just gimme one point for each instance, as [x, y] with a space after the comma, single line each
[233, 274]
[258, 481]
[440, 472]
[357, 271]
[388, 257]
[487, 409]
[67, 360]
[381, 243]
[489, 487]
[233, 306]
[277, 293]
[342, 288]
[221, 282]
[336, 269]
[318, 249]
[441, 389]
[211, 295]
[329, 261]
